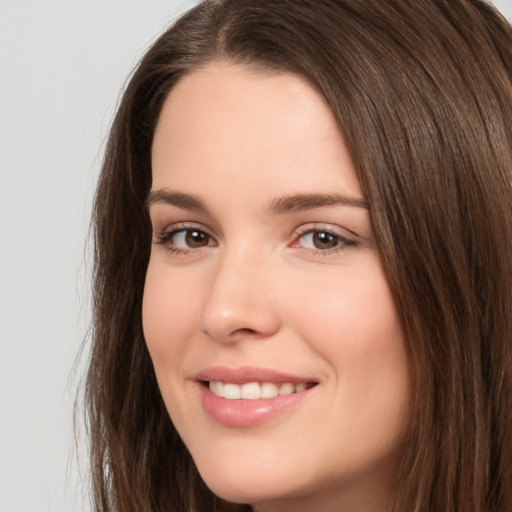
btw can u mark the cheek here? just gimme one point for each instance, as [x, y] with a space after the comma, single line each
[352, 323]
[354, 313]
[168, 310]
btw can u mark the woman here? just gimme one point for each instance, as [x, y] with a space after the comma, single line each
[303, 286]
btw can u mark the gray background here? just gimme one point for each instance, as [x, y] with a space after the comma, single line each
[62, 65]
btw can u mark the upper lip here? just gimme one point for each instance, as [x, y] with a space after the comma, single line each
[244, 374]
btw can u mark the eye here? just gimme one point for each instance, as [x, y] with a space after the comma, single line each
[189, 239]
[322, 240]
[183, 239]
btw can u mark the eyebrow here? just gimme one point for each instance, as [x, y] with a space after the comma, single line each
[300, 202]
[278, 206]
[178, 199]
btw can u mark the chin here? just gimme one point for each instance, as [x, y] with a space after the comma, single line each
[247, 485]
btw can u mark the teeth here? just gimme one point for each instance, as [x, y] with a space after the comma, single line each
[250, 391]
[286, 389]
[254, 390]
[299, 387]
[232, 391]
[269, 390]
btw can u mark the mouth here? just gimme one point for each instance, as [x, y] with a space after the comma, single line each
[248, 397]
[256, 390]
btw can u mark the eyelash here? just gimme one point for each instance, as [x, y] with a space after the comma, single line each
[167, 236]
[343, 242]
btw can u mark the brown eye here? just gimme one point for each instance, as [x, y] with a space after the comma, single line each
[194, 238]
[185, 239]
[324, 240]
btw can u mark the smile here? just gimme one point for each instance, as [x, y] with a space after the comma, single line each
[249, 396]
[255, 390]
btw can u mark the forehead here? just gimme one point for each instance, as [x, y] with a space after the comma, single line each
[236, 123]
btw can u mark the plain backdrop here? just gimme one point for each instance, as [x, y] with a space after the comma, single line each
[62, 67]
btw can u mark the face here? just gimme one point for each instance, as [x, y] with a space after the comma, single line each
[274, 337]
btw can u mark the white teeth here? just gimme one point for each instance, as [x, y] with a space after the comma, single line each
[286, 389]
[250, 391]
[231, 391]
[299, 387]
[254, 390]
[216, 387]
[269, 390]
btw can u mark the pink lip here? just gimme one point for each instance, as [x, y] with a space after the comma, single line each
[247, 413]
[245, 374]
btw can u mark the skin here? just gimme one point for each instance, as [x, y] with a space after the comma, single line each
[259, 290]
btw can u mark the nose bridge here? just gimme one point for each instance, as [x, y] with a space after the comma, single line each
[238, 301]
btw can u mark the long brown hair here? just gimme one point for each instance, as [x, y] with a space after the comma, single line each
[422, 90]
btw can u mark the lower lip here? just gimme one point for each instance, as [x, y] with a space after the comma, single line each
[248, 413]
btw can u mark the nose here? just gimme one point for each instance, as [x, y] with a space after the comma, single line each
[239, 301]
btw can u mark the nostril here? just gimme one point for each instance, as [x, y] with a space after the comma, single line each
[234, 335]
[244, 331]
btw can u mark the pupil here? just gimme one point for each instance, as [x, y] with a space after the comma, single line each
[324, 240]
[196, 239]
